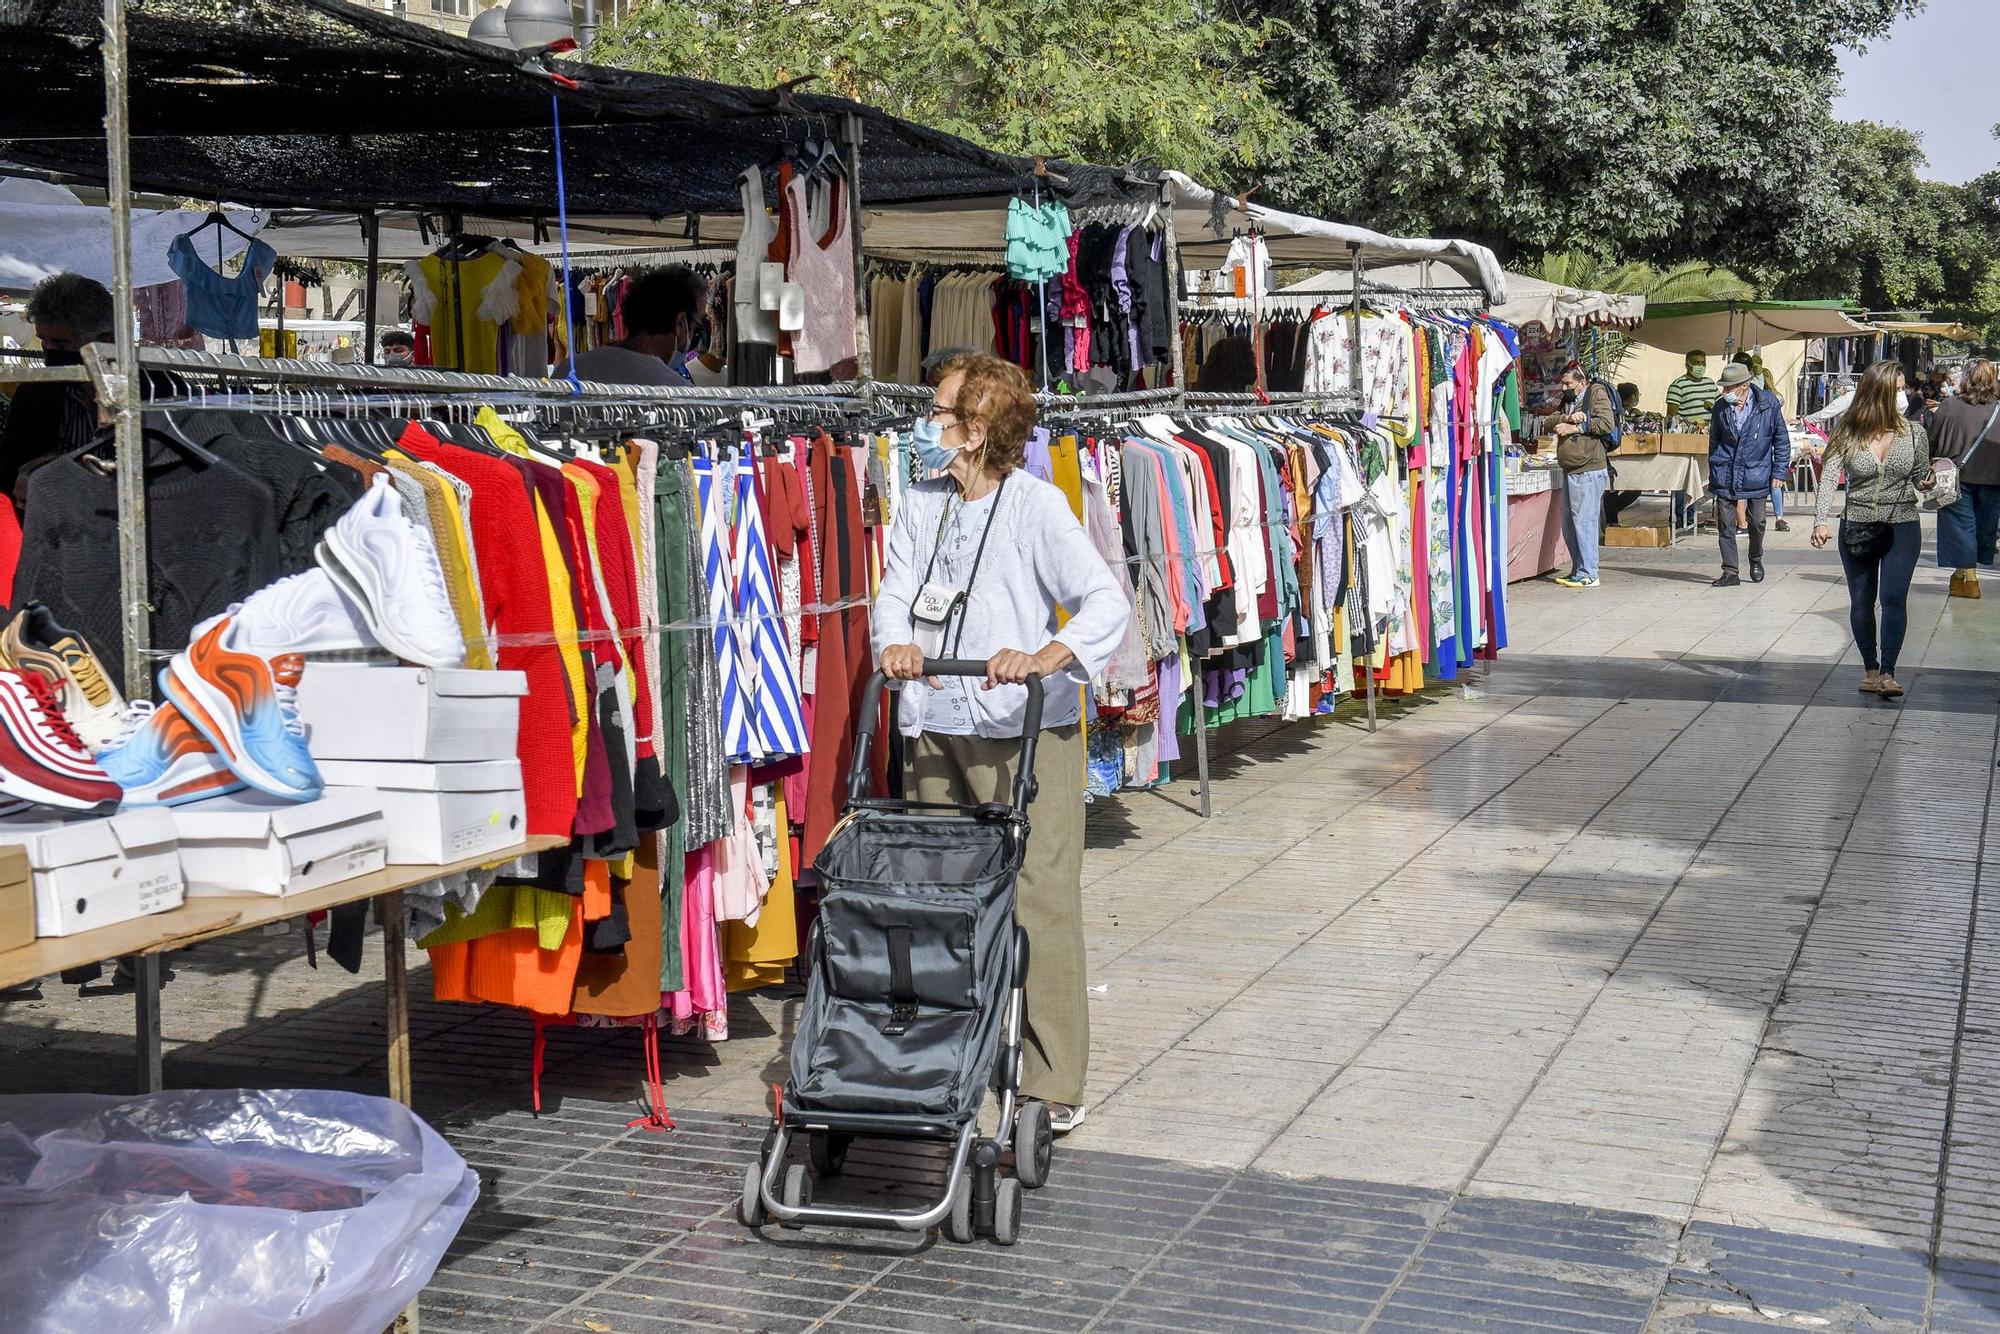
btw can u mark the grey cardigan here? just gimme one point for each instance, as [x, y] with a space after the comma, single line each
[1884, 492]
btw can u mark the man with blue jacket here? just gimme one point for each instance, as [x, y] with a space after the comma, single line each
[1749, 455]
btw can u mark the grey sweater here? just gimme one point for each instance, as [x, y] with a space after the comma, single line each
[1884, 492]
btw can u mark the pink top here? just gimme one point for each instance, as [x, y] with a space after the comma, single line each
[823, 266]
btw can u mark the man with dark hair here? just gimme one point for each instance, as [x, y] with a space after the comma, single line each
[662, 310]
[399, 348]
[68, 311]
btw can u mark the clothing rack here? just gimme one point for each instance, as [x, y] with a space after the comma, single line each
[390, 380]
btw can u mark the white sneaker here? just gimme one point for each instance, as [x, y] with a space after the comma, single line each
[301, 613]
[1063, 1119]
[389, 568]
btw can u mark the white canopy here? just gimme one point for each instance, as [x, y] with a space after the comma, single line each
[45, 229]
[1716, 326]
[1556, 307]
[962, 229]
[1528, 299]
[1298, 241]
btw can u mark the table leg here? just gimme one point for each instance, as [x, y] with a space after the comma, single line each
[396, 988]
[148, 1072]
[396, 977]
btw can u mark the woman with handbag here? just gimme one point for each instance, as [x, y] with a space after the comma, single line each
[947, 592]
[1887, 460]
[1967, 431]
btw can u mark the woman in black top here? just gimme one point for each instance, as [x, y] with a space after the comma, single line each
[1966, 430]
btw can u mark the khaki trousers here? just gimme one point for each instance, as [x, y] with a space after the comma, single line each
[1048, 901]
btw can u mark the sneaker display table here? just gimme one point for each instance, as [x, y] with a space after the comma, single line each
[201, 919]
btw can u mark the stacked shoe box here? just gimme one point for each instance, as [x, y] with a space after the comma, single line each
[92, 873]
[255, 843]
[437, 743]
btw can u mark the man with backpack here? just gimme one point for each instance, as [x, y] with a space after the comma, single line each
[1749, 453]
[1592, 426]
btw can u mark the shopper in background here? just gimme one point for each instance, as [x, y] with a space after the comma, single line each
[661, 309]
[1692, 393]
[399, 348]
[962, 737]
[69, 311]
[1589, 419]
[1966, 430]
[1887, 460]
[1617, 502]
[1749, 451]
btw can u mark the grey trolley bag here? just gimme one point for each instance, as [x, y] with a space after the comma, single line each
[913, 1006]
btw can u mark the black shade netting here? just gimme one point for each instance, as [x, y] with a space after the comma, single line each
[325, 104]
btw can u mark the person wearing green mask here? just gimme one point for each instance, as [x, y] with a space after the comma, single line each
[1692, 395]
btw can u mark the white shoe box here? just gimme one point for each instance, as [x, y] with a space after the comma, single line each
[353, 711]
[97, 872]
[254, 843]
[441, 813]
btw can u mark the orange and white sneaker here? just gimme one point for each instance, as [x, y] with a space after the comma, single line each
[42, 760]
[236, 683]
[247, 707]
[160, 759]
[33, 641]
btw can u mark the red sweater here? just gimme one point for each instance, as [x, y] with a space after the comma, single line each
[514, 582]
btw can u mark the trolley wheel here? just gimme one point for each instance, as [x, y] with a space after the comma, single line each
[958, 1227]
[1034, 1144]
[828, 1151]
[750, 1209]
[1006, 1211]
[798, 1192]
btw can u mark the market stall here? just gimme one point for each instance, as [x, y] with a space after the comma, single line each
[656, 581]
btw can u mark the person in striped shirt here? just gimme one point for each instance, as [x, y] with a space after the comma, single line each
[1692, 395]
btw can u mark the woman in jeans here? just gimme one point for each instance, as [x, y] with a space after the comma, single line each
[1887, 460]
[1966, 430]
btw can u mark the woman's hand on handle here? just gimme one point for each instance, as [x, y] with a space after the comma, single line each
[1821, 535]
[1010, 666]
[904, 662]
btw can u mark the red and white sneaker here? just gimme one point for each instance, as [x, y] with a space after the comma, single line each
[41, 757]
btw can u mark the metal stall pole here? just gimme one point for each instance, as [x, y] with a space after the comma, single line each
[1354, 384]
[118, 395]
[371, 229]
[1177, 363]
[864, 355]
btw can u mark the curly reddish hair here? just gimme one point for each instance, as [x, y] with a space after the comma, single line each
[996, 394]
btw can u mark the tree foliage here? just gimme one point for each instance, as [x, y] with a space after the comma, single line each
[1897, 241]
[1142, 80]
[1660, 129]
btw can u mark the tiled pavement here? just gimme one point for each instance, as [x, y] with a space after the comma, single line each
[1645, 984]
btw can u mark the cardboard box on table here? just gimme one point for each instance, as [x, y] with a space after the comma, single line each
[252, 843]
[440, 813]
[353, 711]
[97, 872]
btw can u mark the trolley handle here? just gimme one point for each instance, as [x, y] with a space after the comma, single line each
[871, 699]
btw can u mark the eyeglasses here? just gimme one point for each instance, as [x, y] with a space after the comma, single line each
[937, 410]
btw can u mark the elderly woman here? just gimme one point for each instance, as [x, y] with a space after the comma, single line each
[1012, 546]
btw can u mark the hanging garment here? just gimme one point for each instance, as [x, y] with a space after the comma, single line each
[754, 323]
[217, 305]
[821, 264]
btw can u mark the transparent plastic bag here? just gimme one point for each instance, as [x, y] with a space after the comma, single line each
[235, 1210]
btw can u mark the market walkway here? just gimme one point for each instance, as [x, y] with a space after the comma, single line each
[1643, 985]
